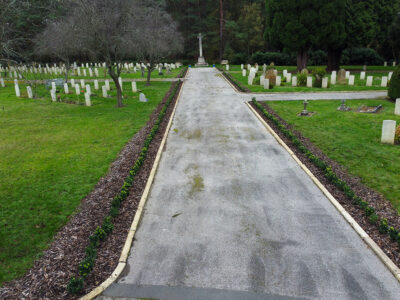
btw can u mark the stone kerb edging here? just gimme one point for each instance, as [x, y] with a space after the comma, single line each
[139, 213]
[364, 236]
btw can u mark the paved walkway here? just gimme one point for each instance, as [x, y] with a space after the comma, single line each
[232, 216]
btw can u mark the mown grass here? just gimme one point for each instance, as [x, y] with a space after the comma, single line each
[52, 155]
[352, 139]
[359, 85]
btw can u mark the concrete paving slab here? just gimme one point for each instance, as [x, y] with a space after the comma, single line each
[231, 212]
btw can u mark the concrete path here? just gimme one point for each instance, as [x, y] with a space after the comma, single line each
[232, 216]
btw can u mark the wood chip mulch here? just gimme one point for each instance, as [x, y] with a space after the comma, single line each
[49, 276]
[383, 207]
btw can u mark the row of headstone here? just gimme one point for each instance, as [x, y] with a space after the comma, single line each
[385, 64]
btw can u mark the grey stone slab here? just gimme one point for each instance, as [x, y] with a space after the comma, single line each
[231, 210]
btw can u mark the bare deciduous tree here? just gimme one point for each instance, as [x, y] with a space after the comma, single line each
[60, 40]
[157, 36]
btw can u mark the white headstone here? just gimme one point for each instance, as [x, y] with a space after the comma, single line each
[250, 80]
[87, 99]
[90, 73]
[284, 73]
[53, 85]
[53, 95]
[120, 82]
[385, 64]
[88, 89]
[325, 82]
[351, 79]
[104, 89]
[79, 72]
[17, 91]
[96, 72]
[227, 67]
[66, 89]
[347, 74]
[134, 86]
[289, 77]
[384, 81]
[77, 89]
[294, 81]
[29, 90]
[394, 64]
[390, 75]
[362, 75]
[244, 72]
[241, 66]
[2, 82]
[142, 98]
[333, 77]
[397, 107]
[309, 81]
[369, 80]
[107, 83]
[278, 80]
[72, 82]
[388, 132]
[262, 79]
[266, 84]
[83, 83]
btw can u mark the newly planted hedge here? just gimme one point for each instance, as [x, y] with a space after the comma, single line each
[369, 211]
[236, 83]
[76, 284]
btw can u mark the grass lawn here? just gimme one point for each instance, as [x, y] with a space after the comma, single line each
[52, 155]
[360, 85]
[103, 74]
[352, 139]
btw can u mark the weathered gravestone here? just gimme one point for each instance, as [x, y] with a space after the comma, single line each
[388, 132]
[341, 76]
[270, 75]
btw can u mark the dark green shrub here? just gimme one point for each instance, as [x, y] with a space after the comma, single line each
[393, 233]
[100, 233]
[394, 86]
[301, 79]
[94, 241]
[361, 56]
[278, 58]
[91, 252]
[363, 205]
[357, 201]
[318, 74]
[369, 211]
[75, 285]
[373, 219]
[85, 267]
[383, 226]
[108, 226]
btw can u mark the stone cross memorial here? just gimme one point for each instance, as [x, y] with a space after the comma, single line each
[201, 61]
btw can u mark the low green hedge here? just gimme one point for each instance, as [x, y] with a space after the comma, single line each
[76, 284]
[369, 211]
[236, 83]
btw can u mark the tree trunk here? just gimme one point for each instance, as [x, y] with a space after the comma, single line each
[334, 56]
[119, 90]
[221, 30]
[302, 59]
[149, 69]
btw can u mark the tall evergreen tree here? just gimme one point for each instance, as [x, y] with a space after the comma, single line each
[291, 25]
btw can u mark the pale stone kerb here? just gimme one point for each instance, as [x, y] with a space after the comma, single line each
[349, 219]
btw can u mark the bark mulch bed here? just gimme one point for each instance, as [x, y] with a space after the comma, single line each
[383, 207]
[49, 276]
